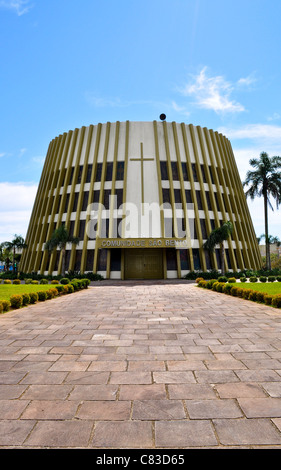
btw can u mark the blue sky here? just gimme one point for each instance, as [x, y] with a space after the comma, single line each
[69, 63]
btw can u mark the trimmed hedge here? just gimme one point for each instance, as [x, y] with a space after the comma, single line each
[21, 300]
[236, 291]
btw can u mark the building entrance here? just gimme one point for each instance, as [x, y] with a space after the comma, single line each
[144, 263]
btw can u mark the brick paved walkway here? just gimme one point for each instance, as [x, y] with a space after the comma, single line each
[141, 365]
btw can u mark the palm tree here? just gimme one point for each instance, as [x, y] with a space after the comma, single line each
[217, 237]
[16, 244]
[265, 180]
[59, 239]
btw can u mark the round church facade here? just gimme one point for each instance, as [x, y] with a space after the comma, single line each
[142, 197]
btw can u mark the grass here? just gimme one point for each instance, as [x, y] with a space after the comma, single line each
[6, 290]
[271, 288]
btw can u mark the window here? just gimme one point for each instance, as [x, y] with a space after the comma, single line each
[120, 171]
[109, 168]
[98, 173]
[115, 260]
[184, 171]
[90, 260]
[196, 259]
[184, 258]
[164, 171]
[85, 200]
[171, 255]
[175, 173]
[89, 173]
[194, 172]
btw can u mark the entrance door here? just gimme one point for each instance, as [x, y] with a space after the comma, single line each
[144, 263]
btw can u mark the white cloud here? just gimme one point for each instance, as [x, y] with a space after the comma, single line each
[16, 203]
[20, 7]
[253, 131]
[212, 93]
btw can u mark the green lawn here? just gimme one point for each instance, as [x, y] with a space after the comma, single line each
[268, 287]
[6, 290]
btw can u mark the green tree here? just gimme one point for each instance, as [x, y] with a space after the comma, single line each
[217, 237]
[59, 239]
[16, 244]
[265, 181]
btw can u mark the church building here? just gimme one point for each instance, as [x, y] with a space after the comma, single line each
[142, 197]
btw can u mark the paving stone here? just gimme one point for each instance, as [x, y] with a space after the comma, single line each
[239, 389]
[50, 409]
[184, 434]
[245, 432]
[261, 407]
[14, 432]
[57, 434]
[208, 409]
[158, 410]
[142, 392]
[105, 410]
[126, 434]
[190, 391]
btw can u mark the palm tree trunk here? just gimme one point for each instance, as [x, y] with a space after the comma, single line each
[222, 260]
[63, 261]
[267, 247]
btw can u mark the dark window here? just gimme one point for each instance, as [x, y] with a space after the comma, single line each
[109, 168]
[208, 200]
[99, 170]
[166, 195]
[208, 259]
[119, 194]
[71, 227]
[77, 264]
[67, 259]
[71, 175]
[66, 202]
[85, 200]
[192, 228]
[171, 255]
[120, 171]
[89, 173]
[164, 171]
[213, 225]
[56, 258]
[63, 172]
[102, 261]
[177, 193]
[169, 227]
[184, 172]
[82, 229]
[203, 174]
[188, 198]
[76, 195]
[218, 256]
[79, 177]
[90, 260]
[96, 196]
[115, 260]
[194, 172]
[175, 173]
[203, 229]
[199, 200]
[211, 174]
[196, 259]
[184, 257]
[106, 198]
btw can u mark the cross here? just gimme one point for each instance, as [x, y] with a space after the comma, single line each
[142, 160]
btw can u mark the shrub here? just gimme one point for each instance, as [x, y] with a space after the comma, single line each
[278, 278]
[6, 305]
[70, 288]
[260, 296]
[16, 281]
[54, 281]
[240, 292]
[222, 279]
[33, 297]
[232, 279]
[42, 295]
[44, 281]
[1, 307]
[220, 286]
[253, 279]
[215, 285]
[65, 281]
[7, 281]
[25, 299]
[243, 279]
[246, 293]
[253, 295]
[28, 281]
[268, 299]
[227, 288]
[60, 288]
[276, 301]
[54, 292]
[34, 282]
[263, 278]
[210, 283]
[199, 279]
[16, 301]
[271, 278]
[234, 291]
